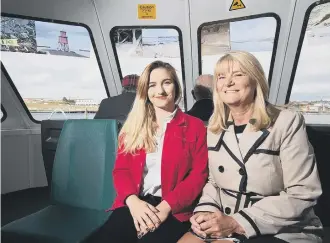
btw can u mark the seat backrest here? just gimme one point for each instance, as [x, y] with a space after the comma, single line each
[319, 137]
[116, 107]
[50, 133]
[84, 160]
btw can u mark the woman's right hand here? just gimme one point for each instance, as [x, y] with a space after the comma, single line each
[196, 220]
[144, 215]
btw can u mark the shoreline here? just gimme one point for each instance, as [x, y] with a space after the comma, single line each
[58, 111]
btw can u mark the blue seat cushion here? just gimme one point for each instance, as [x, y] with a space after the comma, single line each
[55, 224]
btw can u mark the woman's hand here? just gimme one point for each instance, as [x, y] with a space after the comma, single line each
[196, 220]
[164, 210]
[220, 225]
[144, 215]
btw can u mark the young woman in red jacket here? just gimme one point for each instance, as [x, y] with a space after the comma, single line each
[161, 165]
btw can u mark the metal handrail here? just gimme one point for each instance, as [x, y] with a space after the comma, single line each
[57, 110]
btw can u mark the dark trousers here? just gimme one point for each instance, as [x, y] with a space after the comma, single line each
[265, 239]
[243, 239]
[119, 228]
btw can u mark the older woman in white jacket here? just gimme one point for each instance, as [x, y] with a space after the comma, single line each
[263, 180]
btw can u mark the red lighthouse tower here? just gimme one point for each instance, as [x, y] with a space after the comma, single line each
[63, 42]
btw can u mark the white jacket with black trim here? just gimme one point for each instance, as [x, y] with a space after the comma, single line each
[267, 181]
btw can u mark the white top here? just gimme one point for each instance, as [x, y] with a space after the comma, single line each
[152, 169]
[238, 135]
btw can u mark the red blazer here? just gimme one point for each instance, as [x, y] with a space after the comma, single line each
[184, 169]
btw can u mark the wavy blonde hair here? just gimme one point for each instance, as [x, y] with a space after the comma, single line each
[138, 132]
[263, 112]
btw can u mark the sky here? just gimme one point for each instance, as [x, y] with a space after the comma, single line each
[253, 29]
[159, 32]
[253, 35]
[45, 76]
[312, 79]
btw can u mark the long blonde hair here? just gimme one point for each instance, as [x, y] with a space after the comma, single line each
[138, 132]
[262, 110]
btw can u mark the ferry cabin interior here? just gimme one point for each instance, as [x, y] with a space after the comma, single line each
[76, 53]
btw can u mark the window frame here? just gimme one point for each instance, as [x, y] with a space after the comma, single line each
[300, 44]
[113, 44]
[276, 38]
[3, 69]
[4, 114]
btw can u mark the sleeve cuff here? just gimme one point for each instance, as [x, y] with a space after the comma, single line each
[124, 195]
[207, 207]
[249, 226]
[127, 197]
[175, 207]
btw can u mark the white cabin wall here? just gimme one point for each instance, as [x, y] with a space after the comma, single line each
[21, 158]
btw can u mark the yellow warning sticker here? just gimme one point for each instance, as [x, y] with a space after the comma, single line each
[146, 11]
[237, 4]
[9, 42]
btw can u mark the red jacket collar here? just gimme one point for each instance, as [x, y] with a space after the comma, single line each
[179, 118]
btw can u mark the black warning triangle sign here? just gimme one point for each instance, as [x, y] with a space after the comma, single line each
[237, 4]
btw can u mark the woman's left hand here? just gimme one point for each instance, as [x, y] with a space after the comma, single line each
[220, 225]
[164, 211]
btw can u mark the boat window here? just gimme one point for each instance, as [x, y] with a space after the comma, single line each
[309, 88]
[3, 113]
[136, 47]
[257, 34]
[53, 67]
